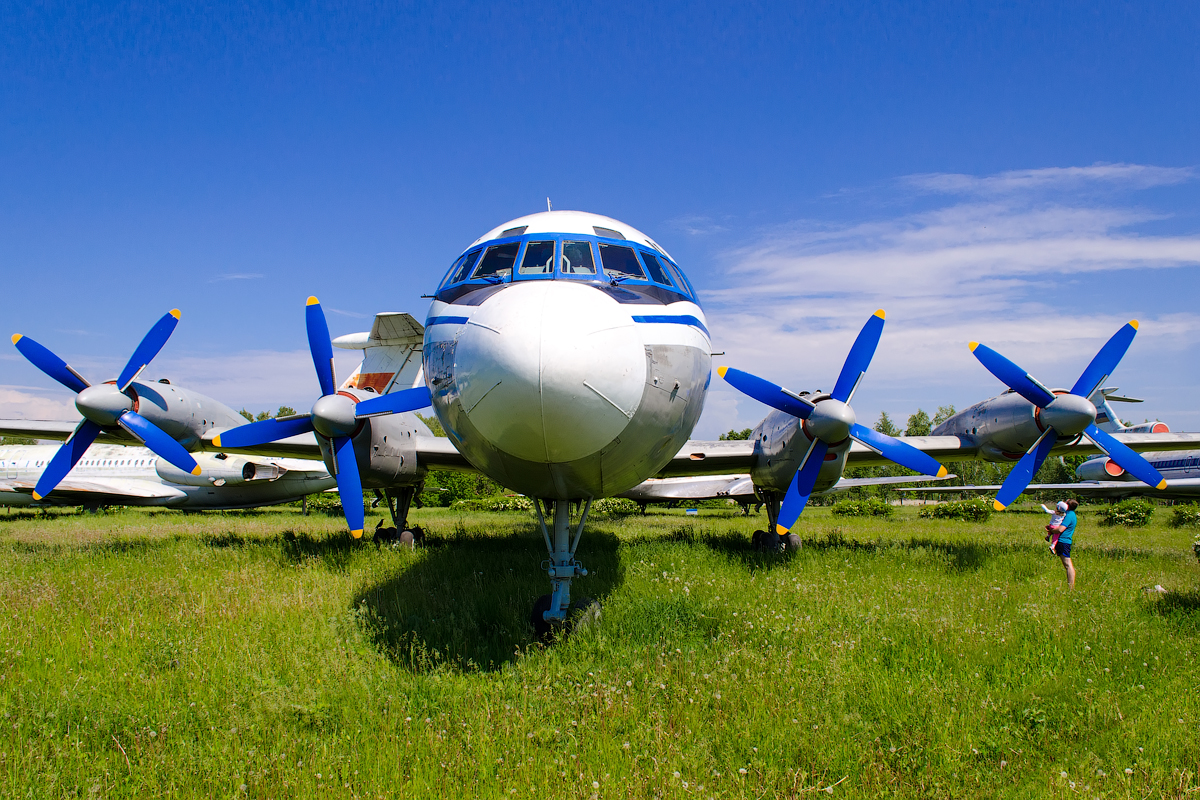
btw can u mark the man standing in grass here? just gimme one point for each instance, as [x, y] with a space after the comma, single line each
[1062, 549]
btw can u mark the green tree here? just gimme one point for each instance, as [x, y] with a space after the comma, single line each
[260, 416]
[918, 424]
[943, 413]
[285, 411]
[7, 440]
[433, 423]
[885, 425]
[745, 433]
[247, 415]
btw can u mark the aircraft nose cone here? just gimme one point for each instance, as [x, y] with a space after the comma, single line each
[550, 371]
[103, 404]
[1069, 414]
[830, 421]
[333, 415]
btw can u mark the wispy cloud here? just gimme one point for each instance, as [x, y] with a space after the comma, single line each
[1129, 176]
[237, 276]
[351, 314]
[697, 225]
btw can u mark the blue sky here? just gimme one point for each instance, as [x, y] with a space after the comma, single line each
[1010, 173]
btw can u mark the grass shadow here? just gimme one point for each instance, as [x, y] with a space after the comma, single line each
[464, 602]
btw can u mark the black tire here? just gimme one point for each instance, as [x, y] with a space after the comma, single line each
[771, 542]
[584, 613]
[792, 542]
[756, 539]
[542, 629]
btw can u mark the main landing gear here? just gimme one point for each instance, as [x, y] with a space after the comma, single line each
[554, 613]
[399, 501]
[769, 541]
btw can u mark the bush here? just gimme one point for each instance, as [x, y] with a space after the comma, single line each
[325, 503]
[1128, 513]
[1187, 516]
[870, 507]
[497, 503]
[977, 509]
[615, 506]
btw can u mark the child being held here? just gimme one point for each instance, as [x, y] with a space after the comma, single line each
[1056, 518]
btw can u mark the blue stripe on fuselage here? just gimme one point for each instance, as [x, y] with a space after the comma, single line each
[444, 321]
[671, 319]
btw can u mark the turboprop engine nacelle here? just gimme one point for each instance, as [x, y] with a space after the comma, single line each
[182, 414]
[780, 443]
[218, 470]
[384, 446]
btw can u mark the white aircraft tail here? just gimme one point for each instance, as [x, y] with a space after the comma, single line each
[391, 353]
[1108, 420]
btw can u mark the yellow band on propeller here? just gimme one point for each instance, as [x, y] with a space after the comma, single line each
[780, 529]
[357, 534]
[312, 301]
[216, 441]
[175, 313]
[16, 337]
[1162, 484]
[196, 471]
[37, 496]
[996, 504]
[880, 313]
[972, 345]
[720, 370]
[1134, 323]
[943, 472]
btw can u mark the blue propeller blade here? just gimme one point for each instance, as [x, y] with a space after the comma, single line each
[394, 402]
[764, 392]
[164, 446]
[152, 342]
[49, 363]
[1106, 360]
[801, 488]
[1023, 472]
[263, 431]
[859, 358]
[900, 452]
[1011, 375]
[67, 456]
[349, 484]
[319, 344]
[1133, 463]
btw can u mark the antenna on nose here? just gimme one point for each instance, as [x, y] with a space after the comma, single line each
[548, 208]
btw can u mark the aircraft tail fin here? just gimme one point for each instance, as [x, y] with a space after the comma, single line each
[1107, 419]
[391, 353]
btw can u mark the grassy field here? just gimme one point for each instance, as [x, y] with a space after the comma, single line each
[260, 654]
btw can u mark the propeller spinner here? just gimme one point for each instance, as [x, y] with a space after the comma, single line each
[106, 405]
[829, 421]
[1066, 414]
[335, 416]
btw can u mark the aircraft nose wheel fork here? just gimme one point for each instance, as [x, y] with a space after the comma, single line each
[555, 612]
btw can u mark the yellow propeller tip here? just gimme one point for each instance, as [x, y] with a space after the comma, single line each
[1162, 484]
[196, 471]
[16, 337]
[943, 472]
[720, 370]
[972, 345]
[312, 300]
[357, 534]
[216, 441]
[880, 313]
[175, 313]
[37, 496]
[996, 504]
[780, 529]
[1134, 323]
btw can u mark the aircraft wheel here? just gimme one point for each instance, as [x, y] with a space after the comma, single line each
[407, 539]
[756, 539]
[792, 542]
[541, 628]
[584, 613]
[770, 542]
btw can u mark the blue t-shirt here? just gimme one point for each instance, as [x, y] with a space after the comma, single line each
[1068, 523]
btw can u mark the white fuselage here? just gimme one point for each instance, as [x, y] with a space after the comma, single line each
[120, 475]
[565, 384]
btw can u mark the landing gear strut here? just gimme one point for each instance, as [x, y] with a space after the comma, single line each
[399, 501]
[769, 541]
[552, 611]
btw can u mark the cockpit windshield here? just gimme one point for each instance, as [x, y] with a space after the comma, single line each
[539, 258]
[498, 261]
[577, 259]
[620, 262]
[657, 273]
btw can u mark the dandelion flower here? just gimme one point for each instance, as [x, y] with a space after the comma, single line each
[741, 770]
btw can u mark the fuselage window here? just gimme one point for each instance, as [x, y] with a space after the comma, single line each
[620, 262]
[657, 273]
[577, 259]
[463, 268]
[539, 259]
[498, 260]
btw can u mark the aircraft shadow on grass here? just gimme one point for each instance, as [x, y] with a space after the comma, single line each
[465, 602]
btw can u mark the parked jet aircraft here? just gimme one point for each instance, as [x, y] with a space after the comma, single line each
[567, 357]
[135, 476]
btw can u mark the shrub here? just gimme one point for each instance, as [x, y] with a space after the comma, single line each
[1186, 516]
[870, 507]
[977, 509]
[615, 506]
[497, 503]
[325, 503]
[1129, 513]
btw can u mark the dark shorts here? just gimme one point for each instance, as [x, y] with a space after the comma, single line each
[1062, 549]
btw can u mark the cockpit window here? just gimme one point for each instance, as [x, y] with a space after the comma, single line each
[539, 258]
[463, 268]
[657, 273]
[577, 259]
[620, 262]
[498, 260]
[680, 278]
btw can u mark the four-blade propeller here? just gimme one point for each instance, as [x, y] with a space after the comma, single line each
[335, 416]
[106, 405]
[1066, 414]
[829, 421]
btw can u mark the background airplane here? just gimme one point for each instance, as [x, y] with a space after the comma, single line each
[567, 357]
[135, 476]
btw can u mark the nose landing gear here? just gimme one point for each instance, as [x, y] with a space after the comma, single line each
[554, 613]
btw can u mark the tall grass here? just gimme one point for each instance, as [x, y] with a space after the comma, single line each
[261, 654]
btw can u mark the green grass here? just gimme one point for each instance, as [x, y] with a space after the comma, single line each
[260, 654]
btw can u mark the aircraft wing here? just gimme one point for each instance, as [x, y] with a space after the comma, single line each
[59, 430]
[120, 491]
[1176, 488]
[741, 487]
[433, 452]
[955, 448]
